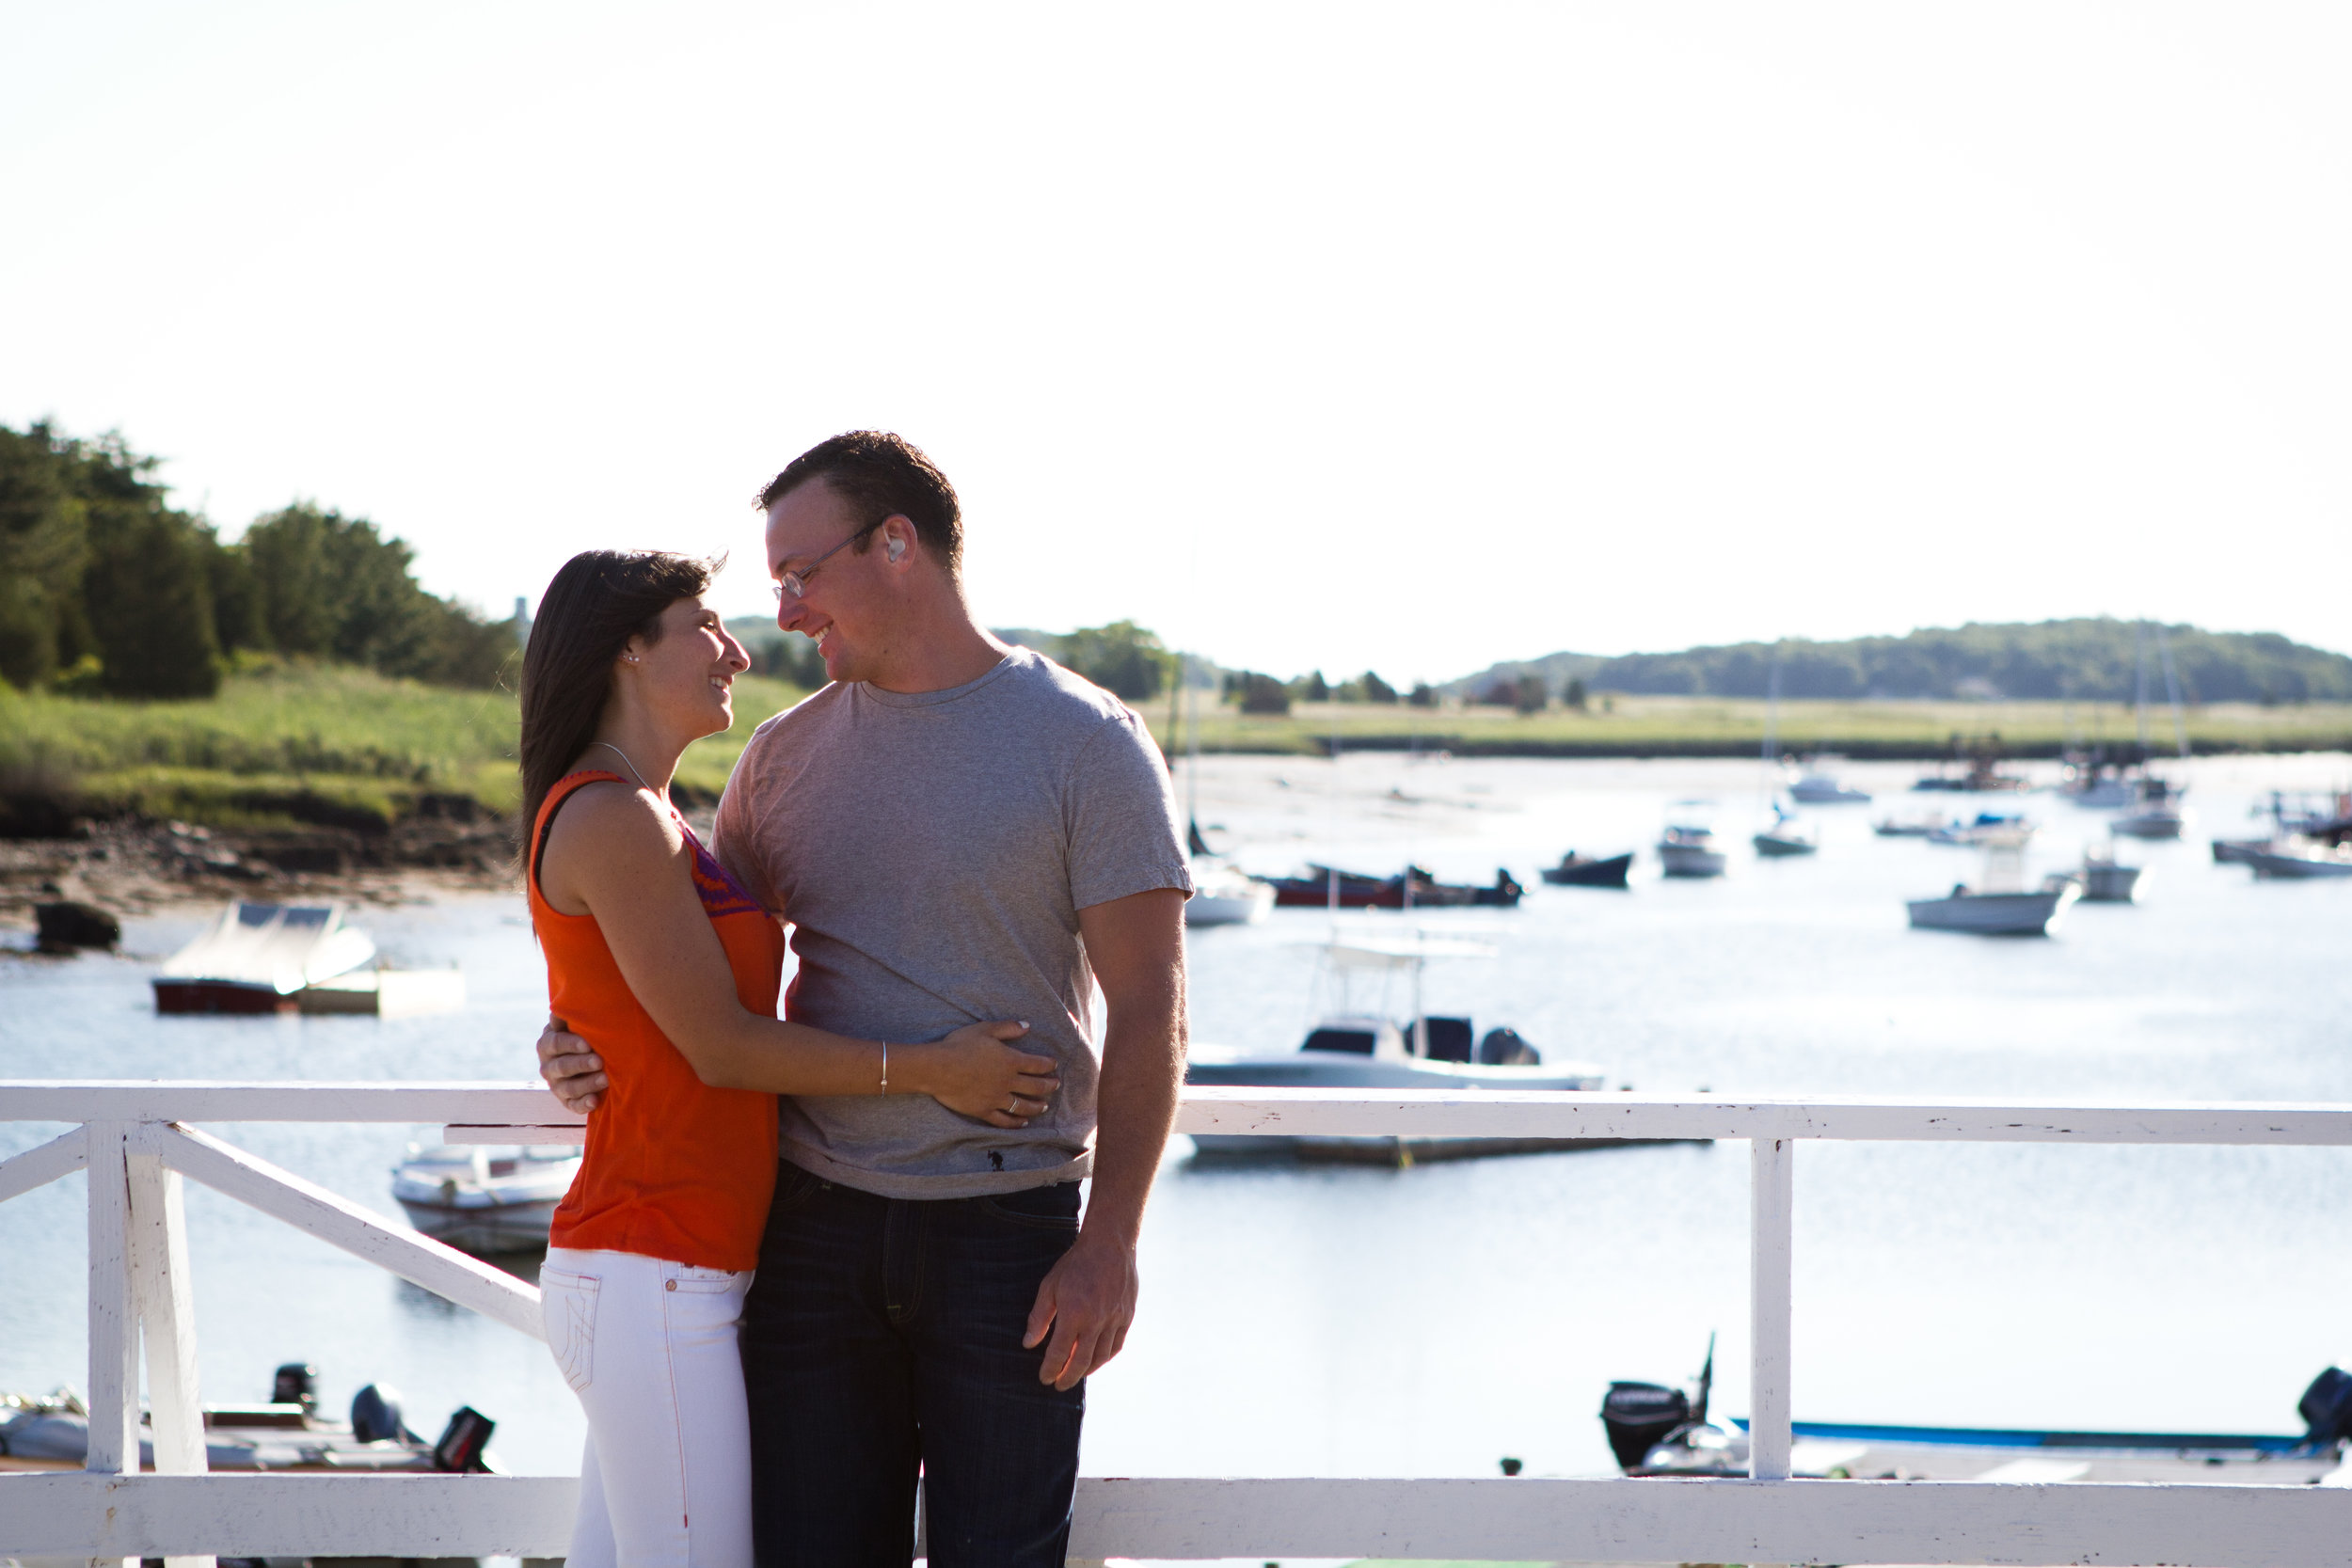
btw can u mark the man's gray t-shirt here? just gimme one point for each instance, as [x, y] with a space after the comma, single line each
[931, 851]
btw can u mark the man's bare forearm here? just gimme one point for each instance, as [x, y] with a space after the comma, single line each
[1143, 1071]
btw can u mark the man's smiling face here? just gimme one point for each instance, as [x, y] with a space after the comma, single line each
[844, 607]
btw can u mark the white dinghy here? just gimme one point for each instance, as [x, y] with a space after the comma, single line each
[256, 957]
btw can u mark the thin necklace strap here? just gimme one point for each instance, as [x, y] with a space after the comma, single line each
[632, 766]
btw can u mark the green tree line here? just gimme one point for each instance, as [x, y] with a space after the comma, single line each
[2088, 659]
[106, 588]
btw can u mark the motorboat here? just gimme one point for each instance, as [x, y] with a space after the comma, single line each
[2107, 881]
[1324, 886]
[1659, 1429]
[1999, 905]
[1918, 828]
[2095, 786]
[1687, 847]
[1985, 827]
[1827, 790]
[255, 957]
[1363, 1048]
[1785, 838]
[2238, 851]
[2159, 814]
[484, 1199]
[52, 1432]
[1575, 870]
[2301, 860]
[1224, 896]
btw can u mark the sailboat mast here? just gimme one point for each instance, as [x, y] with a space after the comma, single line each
[2139, 696]
[1192, 744]
[2172, 692]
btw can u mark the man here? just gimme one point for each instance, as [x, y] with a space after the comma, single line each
[956, 830]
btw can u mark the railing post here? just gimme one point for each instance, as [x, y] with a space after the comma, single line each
[114, 1321]
[160, 1289]
[1771, 1203]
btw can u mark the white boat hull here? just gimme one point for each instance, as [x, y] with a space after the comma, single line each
[2110, 885]
[1995, 914]
[2287, 865]
[1228, 906]
[1691, 860]
[486, 1200]
[1339, 1069]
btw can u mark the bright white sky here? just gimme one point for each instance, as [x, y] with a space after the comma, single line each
[1411, 338]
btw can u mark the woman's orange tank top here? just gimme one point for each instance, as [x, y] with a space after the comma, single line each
[674, 1168]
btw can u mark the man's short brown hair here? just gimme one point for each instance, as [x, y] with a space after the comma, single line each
[881, 475]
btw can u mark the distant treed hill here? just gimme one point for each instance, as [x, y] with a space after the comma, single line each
[2093, 660]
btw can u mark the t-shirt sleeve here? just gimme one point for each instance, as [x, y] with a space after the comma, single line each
[1122, 818]
[735, 833]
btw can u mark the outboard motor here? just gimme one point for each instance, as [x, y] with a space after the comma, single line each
[2326, 1408]
[375, 1417]
[296, 1383]
[463, 1440]
[1638, 1415]
[1503, 1047]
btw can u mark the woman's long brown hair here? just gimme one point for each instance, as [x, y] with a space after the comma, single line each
[597, 602]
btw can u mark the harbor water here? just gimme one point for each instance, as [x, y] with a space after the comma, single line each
[1370, 1319]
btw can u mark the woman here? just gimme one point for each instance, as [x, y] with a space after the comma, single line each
[661, 961]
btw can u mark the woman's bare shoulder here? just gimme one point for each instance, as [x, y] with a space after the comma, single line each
[606, 833]
[612, 815]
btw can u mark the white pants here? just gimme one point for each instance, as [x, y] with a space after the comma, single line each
[649, 1346]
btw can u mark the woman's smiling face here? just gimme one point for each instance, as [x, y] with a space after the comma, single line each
[687, 678]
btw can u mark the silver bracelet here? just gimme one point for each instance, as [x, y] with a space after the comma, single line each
[885, 1077]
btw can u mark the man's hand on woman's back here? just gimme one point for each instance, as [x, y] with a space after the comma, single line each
[575, 1072]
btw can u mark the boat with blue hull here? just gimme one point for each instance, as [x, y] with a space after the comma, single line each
[1656, 1429]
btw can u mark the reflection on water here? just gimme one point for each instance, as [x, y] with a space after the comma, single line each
[1302, 1320]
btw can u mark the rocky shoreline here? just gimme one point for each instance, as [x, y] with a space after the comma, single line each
[130, 866]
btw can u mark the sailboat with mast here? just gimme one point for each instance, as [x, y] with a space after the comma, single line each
[1784, 836]
[2158, 813]
[1222, 893]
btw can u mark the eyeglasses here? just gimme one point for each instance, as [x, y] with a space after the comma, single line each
[794, 585]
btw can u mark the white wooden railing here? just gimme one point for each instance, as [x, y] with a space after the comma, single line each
[134, 1141]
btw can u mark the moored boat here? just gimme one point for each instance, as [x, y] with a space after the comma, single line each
[1358, 1049]
[1995, 914]
[2107, 881]
[1686, 848]
[1986, 825]
[1575, 870]
[2301, 859]
[1999, 905]
[1224, 896]
[2159, 819]
[1785, 838]
[1657, 1430]
[483, 1198]
[1324, 886]
[52, 1432]
[1827, 790]
[254, 957]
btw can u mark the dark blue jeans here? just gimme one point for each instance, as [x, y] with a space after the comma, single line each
[884, 1334]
